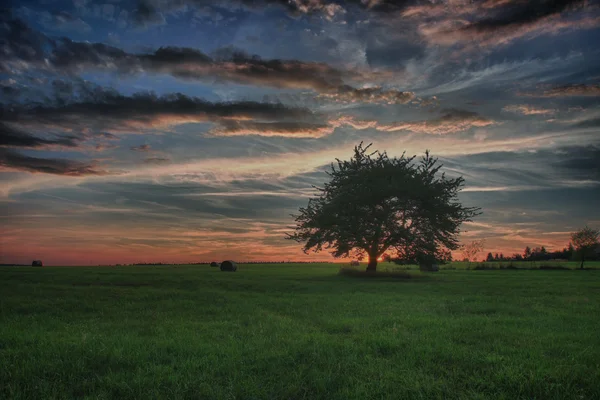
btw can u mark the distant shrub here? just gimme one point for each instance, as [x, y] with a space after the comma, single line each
[554, 267]
[490, 266]
[359, 273]
[450, 267]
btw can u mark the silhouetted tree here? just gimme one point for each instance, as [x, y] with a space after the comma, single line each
[374, 203]
[571, 252]
[470, 250]
[585, 241]
[527, 253]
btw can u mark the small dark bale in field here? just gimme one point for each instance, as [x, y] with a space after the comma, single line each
[37, 263]
[429, 267]
[229, 266]
[214, 264]
[354, 263]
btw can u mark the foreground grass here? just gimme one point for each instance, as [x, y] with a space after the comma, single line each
[297, 331]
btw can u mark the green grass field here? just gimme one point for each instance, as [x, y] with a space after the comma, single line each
[297, 332]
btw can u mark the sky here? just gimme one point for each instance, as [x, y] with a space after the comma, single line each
[191, 130]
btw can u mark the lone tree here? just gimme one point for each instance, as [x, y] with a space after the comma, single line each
[470, 250]
[374, 203]
[585, 241]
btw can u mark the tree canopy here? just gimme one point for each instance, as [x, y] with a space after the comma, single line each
[374, 203]
[585, 241]
[470, 250]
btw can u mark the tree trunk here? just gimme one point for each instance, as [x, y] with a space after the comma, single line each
[372, 266]
[582, 259]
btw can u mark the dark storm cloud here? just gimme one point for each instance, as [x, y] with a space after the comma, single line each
[12, 160]
[10, 137]
[226, 65]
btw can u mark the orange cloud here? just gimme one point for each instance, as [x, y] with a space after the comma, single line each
[526, 109]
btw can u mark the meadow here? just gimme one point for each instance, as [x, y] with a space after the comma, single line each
[297, 332]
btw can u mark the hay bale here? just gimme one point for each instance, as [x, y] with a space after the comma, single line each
[214, 264]
[228, 265]
[429, 267]
[37, 263]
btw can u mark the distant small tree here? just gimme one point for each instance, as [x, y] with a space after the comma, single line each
[527, 253]
[490, 257]
[470, 250]
[496, 257]
[570, 252]
[585, 241]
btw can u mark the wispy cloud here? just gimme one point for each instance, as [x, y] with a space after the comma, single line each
[11, 137]
[226, 65]
[527, 109]
[451, 121]
[142, 148]
[571, 91]
[494, 23]
[110, 111]
[14, 161]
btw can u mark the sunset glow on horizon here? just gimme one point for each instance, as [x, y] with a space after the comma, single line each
[144, 131]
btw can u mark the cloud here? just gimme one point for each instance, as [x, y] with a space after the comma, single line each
[281, 129]
[63, 21]
[527, 109]
[226, 65]
[13, 161]
[10, 137]
[498, 22]
[146, 14]
[571, 90]
[143, 148]
[452, 121]
[588, 123]
[349, 94]
[151, 12]
[156, 160]
[114, 113]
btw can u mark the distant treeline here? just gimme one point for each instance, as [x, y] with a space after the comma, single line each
[237, 262]
[541, 254]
